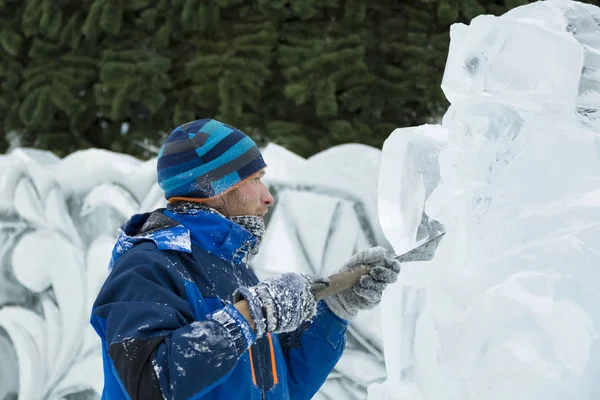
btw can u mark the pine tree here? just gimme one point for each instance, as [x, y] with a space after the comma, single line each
[308, 74]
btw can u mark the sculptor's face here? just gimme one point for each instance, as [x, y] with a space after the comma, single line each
[250, 198]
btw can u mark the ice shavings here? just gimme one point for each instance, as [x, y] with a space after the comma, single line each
[408, 174]
[180, 369]
[172, 238]
[279, 303]
[207, 339]
[158, 372]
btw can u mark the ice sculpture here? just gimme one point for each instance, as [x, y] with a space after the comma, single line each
[58, 223]
[408, 174]
[48, 284]
[512, 306]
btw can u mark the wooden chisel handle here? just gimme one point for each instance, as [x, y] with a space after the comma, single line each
[344, 280]
[339, 282]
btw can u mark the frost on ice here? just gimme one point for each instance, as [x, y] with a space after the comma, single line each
[510, 302]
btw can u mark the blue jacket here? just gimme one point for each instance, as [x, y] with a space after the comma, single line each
[169, 274]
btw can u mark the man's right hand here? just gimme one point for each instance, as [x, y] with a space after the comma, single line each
[280, 303]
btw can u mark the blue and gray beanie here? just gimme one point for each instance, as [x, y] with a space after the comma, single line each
[204, 159]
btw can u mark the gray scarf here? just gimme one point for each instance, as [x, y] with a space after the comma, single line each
[252, 223]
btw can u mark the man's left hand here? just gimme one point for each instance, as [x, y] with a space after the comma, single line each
[366, 293]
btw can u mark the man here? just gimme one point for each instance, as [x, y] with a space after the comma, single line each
[181, 316]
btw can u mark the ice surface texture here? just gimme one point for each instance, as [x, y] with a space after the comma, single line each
[512, 301]
[408, 174]
[58, 223]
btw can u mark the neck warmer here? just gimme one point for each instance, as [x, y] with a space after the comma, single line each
[252, 223]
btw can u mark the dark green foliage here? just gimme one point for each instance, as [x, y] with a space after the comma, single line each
[308, 74]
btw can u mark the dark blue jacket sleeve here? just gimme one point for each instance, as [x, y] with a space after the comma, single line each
[312, 353]
[156, 346]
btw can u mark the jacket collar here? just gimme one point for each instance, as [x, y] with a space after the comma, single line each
[166, 234]
[216, 234]
[177, 231]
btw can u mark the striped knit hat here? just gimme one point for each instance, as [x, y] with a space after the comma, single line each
[204, 159]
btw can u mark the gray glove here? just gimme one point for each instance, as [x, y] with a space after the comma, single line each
[366, 293]
[280, 303]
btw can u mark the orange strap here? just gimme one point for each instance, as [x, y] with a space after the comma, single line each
[252, 365]
[273, 366]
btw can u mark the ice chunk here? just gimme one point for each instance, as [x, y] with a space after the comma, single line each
[515, 62]
[409, 172]
[511, 310]
[511, 306]
[583, 22]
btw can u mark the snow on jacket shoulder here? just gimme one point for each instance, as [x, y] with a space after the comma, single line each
[171, 274]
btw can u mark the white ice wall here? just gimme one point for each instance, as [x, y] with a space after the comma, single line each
[58, 221]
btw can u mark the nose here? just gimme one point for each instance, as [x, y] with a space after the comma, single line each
[266, 197]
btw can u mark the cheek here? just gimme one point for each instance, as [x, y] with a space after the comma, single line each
[249, 196]
[246, 198]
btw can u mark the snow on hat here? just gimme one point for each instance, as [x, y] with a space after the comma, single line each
[204, 159]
